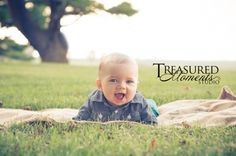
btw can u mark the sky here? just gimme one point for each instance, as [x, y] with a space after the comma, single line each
[162, 29]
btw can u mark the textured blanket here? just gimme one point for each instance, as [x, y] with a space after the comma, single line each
[204, 113]
[187, 113]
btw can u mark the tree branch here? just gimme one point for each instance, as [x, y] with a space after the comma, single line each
[74, 12]
[20, 16]
[57, 11]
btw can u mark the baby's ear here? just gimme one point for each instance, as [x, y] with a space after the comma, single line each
[99, 84]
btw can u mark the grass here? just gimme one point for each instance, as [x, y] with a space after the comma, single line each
[54, 85]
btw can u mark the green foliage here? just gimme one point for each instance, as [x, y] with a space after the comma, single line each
[5, 19]
[123, 8]
[56, 85]
[37, 10]
[84, 7]
[9, 48]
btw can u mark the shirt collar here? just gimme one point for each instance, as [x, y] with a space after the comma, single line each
[138, 98]
[97, 96]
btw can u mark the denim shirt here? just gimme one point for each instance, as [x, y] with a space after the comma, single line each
[98, 109]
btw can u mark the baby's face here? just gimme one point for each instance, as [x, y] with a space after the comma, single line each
[119, 82]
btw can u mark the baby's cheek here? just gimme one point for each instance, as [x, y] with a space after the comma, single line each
[132, 94]
[133, 90]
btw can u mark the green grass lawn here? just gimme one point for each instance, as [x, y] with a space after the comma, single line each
[40, 86]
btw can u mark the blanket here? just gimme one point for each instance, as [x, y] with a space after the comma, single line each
[204, 113]
[187, 113]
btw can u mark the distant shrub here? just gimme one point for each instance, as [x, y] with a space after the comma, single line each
[10, 49]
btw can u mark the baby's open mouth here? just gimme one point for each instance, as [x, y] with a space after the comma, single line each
[119, 96]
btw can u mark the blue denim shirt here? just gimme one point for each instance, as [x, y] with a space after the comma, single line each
[98, 109]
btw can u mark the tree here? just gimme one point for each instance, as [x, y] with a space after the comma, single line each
[39, 22]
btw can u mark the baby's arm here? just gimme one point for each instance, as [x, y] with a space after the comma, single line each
[84, 112]
[147, 117]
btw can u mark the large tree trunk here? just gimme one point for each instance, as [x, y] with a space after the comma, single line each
[53, 48]
[50, 43]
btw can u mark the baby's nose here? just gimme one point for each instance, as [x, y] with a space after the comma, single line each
[122, 85]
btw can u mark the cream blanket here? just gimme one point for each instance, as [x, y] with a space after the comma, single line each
[187, 113]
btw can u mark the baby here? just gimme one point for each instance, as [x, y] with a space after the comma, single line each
[116, 97]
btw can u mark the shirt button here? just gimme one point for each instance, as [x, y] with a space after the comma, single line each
[116, 111]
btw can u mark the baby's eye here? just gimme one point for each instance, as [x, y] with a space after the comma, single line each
[130, 81]
[113, 80]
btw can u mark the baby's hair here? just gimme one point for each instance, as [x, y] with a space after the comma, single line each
[116, 58]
